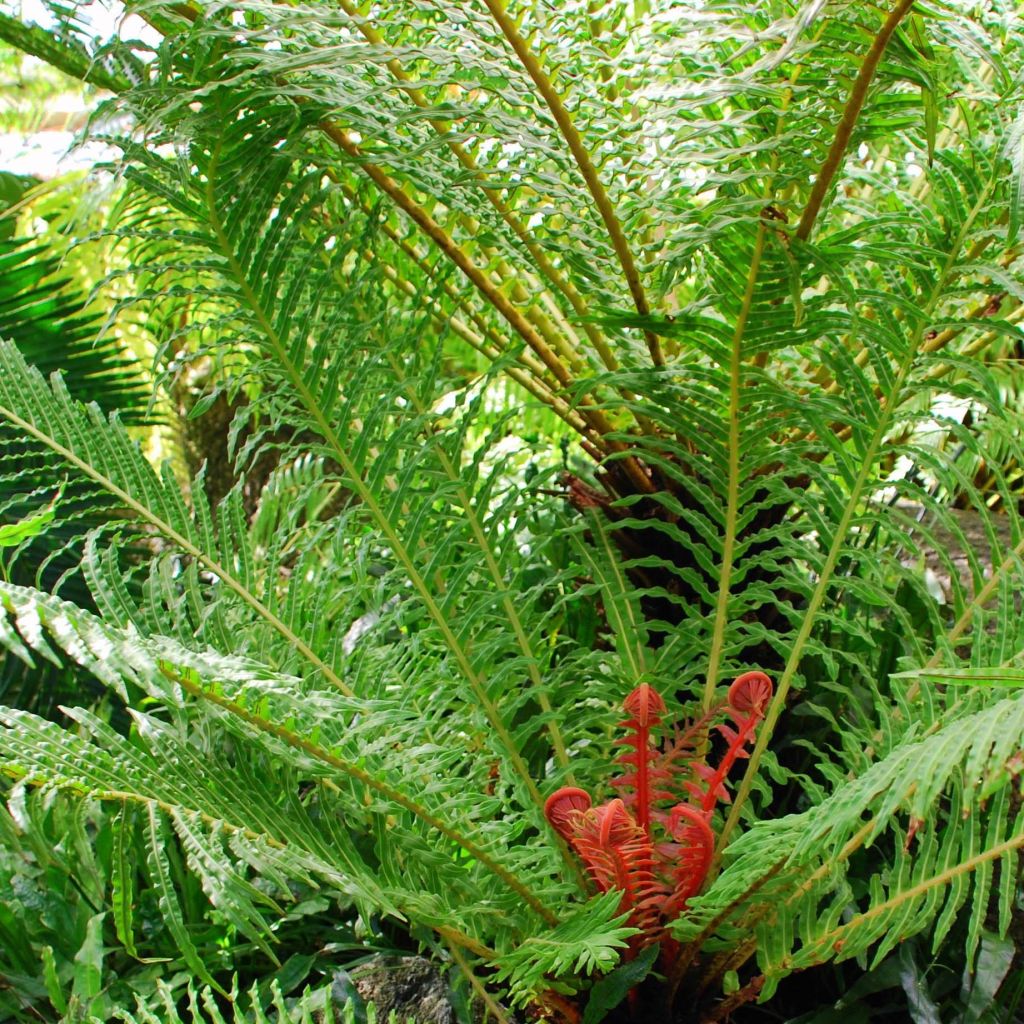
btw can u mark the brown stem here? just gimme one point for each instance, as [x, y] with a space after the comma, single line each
[854, 105]
[452, 250]
[735, 1001]
[730, 960]
[487, 288]
[676, 973]
[532, 381]
[458, 299]
[586, 166]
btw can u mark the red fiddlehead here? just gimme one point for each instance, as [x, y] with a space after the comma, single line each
[749, 696]
[560, 807]
[614, 840]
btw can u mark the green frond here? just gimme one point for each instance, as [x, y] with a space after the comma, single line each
[56, 329]
[797, 876]
[164, 773]
[589, 941]
[200, 1006]
[62, 51]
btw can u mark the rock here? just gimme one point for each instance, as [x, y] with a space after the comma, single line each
[410, 986]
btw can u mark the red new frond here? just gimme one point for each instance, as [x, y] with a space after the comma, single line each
[728, 733]
[614, 840]
[645, 706]
[696, 790]
[750, 694]
[694, 848]
[562, 807]
[617, 855]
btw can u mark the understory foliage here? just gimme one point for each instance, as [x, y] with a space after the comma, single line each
[580, 350]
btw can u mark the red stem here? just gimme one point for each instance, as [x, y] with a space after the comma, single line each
[645, 706]
[744, 733]
[643, 788]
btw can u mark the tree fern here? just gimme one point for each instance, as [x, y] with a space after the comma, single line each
[756, 260]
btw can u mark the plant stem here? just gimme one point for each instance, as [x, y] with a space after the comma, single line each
[854, 105]
[498, 580]
[733, 486]
[677, 971]
[488, 289]
[586, 166]
[980, 599]
[491, 1005]
[532, 382]
[827, 942]
[735, 1001]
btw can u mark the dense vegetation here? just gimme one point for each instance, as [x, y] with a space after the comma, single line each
[516, 365]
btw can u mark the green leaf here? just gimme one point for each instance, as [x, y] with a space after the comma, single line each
[587, 941]
[613, 988]
[291, 973]
[1008, 678]
[1015, 154]
[122, 876]
[51, 978]
[995, 958]
[87, 984]
[170, 908]
[604, 564]
[920, 1005]
[13, 534]
[204, 403]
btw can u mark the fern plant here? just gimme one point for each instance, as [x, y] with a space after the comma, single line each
[752, 266]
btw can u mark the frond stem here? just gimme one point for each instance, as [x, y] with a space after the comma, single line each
[448, 933]
[533, 381]
[586, 166]
[733, 486]
[485, 340]
[734, 1001]
[677, 971]
[494, 571]
[487, 288]
[854, 105]
[492, 1007]
[442, 128]
[453, 935]
[980, 599]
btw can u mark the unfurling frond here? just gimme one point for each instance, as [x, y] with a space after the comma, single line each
[656, 875]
